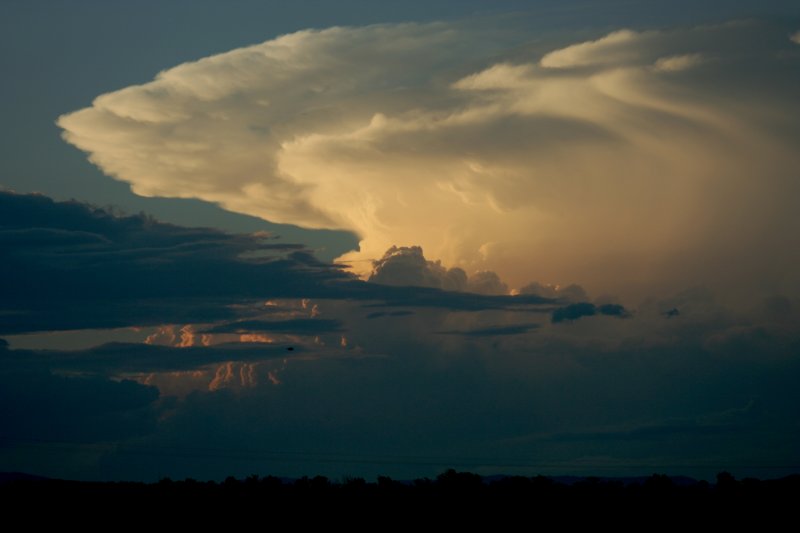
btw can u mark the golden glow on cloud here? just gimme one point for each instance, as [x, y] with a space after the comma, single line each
[677, 63]
[234, 374]
[614, 47]
[186, 336]
[228, 375]
[619, 158]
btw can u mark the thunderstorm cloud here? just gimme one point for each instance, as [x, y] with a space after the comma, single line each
[624, 160]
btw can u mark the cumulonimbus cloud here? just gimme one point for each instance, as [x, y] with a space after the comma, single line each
[634, 158]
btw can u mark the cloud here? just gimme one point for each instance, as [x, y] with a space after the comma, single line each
[578, 310]
[638, 392]
[612, 48]
[600, 160]
[382, 314]
[486, 282]
[295, 326]
[506, 158]
[678, 63]
[407, 266]
[421, 370]
[491, 331]
[39, 406]
[71, 266]
[571, 293]
[66, 265]
[116, 359]
[729, 422]
[795, 37]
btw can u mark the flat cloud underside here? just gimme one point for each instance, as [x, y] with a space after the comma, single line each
[70, 266]
[67, 265]
[120, 358]
[598, 161]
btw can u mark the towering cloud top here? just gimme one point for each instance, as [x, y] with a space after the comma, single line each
[630, 156]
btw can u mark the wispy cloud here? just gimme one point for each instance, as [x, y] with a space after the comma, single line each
[679, 62]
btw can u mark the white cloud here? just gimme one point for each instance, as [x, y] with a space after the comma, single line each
[678, 63]
[615, 46]
[517, 162]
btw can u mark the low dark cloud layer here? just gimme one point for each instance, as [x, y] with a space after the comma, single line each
[67, 265]
[115, 359]
[578, 310]
[492, 331]
[298, 326]
[286, 365]
[43, 407]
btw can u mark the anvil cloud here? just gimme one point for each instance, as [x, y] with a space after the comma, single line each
[625, 161]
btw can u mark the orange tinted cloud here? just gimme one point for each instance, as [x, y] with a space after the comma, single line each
[616, 162]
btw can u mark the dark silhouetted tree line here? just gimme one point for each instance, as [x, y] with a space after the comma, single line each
[463, 493]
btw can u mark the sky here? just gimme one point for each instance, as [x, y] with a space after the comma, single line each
[363, 238]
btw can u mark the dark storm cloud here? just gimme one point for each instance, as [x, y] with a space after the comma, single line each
[570, 293]
[582, 309]
[119, 358]
[423, 297]
[730, 422]
[295, 326]
[645, 389]
[560, 404]
[33, 238]
[491, 331]
[404, 266]
[62, 313]
[67, 265]
[380, 314]
[404, 372]
[38, 405]
[407, 266]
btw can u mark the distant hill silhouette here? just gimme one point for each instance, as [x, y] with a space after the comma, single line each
[8, 477]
